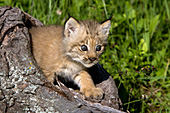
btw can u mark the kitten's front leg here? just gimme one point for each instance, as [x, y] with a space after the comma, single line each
[87, 87]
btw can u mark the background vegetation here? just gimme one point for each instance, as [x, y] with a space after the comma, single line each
[137, 55]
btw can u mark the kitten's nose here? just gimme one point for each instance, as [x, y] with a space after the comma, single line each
[92, 59]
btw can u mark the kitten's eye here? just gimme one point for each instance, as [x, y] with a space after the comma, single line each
[84, 48]
[98, 48]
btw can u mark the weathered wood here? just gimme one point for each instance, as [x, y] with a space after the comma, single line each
[24, 88]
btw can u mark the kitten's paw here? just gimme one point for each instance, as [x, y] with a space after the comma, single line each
[93, 93]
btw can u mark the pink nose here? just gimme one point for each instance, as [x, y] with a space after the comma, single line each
[92, 59]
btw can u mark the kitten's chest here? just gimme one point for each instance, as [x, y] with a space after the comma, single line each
[69, 69]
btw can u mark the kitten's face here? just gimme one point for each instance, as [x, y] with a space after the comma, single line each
[84, 41]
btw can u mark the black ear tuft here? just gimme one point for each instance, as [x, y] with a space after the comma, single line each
[110, 18]
[107, 19]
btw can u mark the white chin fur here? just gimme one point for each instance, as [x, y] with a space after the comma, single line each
[85, 65]
[89, 65]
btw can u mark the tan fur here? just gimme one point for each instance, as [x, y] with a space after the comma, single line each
[59, 49]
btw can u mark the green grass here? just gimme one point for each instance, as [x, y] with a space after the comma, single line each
[137, 55]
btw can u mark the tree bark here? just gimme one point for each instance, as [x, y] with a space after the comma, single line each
[24, 88]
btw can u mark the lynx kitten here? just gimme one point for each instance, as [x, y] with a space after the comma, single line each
[70, 50]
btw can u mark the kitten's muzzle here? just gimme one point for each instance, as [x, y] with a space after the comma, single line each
[92, 59]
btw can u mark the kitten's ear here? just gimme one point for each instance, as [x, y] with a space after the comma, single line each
[105, 26]
[71, 26]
